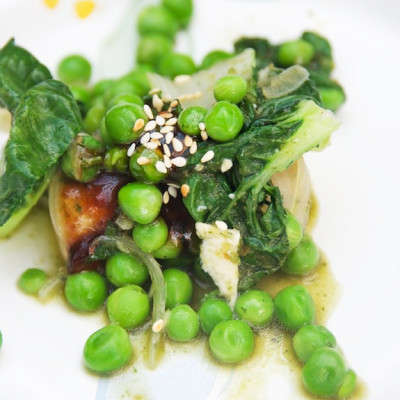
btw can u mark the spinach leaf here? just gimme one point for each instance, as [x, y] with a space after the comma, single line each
[44, 125]
[19, 70]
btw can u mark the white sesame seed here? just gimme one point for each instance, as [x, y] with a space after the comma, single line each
[185, 189]
[148, 111]
[131, 150]
[160, 121]
[158, 326]
[150, 126]
[204, 135]
[174, 185]
[157, 103]
[166, 114]
[193, 148]
[178, 161]
[174, 103]
[154, 91]
[139, 124]
[167, 151]
[202, 126]
[231, 195]
[181, 79]
[166, 98]
[208, 156]
[171, 121]
[156, 135]
[167, 161]
[221, 225]
[124, 222]
[188, 141]
[177, 144]
[199, 167]
[190, 96]
[151, 145]
[168, 137]
[160, 167]
[143, 161]
[173, 192]
[166, 197]
[145, 138]
[166, 129]
[226, 165]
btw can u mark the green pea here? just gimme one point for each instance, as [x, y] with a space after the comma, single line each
[295, 52]
[85, 291]
[231, 88]
[332, 98]
[152, 47]
[232, 341]
[181, 9]
[74, 69]
[179, 287]
[124, 98]
[151, 237]
[107, 349]
[183, 323]
[105, 137]
[81, 95]
[31, 280]
[213, 57]
[93, 118]
[147, 172]
[190, 118]
[120, 121]
[121, 87]
[128, 306]
[348, 386]
[309, 338]
[123, 269]
[255, 307]
[174, 64]
[170, 250]
[212, 312]
[324, 372]
[294, 231]
[157, 19]
[100, 87]
[294, 307]
[116, 159]
[224, 121]
[302, 259]
[140, 201]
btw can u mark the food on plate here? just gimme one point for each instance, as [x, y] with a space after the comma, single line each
[176, 177]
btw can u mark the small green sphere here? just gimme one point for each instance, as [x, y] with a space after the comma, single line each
[224, 121]
[157, 19]
[152, 47]
[31, 280]
[93, 118]
[348, 386]
[295, 52]
[123, 269]
[183, 323]
[85, 291]
[179, 287]
[190, 118]
[151, 237]
[255, 307]
[128, 306]
[107, 349]
[324, 372]
[148, 172]
[212, 312]
[231, 88]
[181, 9]
[140, 201]
[74, 69]
[170, 250]
[116, 159]
[332, 98]
[213, 57]
[232, 341]
[294, 231]
[174, 64]
[126, 98]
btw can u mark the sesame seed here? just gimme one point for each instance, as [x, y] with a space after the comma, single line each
[154, 91]
[190, 96]
[143, 161]
[171, 121]
[179, 161]
[124, 222]
[226, 165]
[167, 151]
[173, 192]
[204, 135]
[148, 111]
[166, 98]
[208, 156]
[168, 137]
[145, 138]
[167, 161]
[157, 103]
[188, 141]
[166, 114]
[175, 185]
[199, 167]
[185, 189]
[177, 144]
[166, 197]
[160, 167]
[150, 126]
[231, 195]
[158, 326]
[221, 225]
[139, 124]
[160, 121]
[193, 148]
[166, 129]
[156, 135]
[131, 150]
[174, 103]
[202, 126]
[151, 145]
[181, 79]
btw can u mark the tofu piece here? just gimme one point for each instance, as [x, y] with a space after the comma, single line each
[219, 254]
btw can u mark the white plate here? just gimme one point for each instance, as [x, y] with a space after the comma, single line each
[354, 180]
